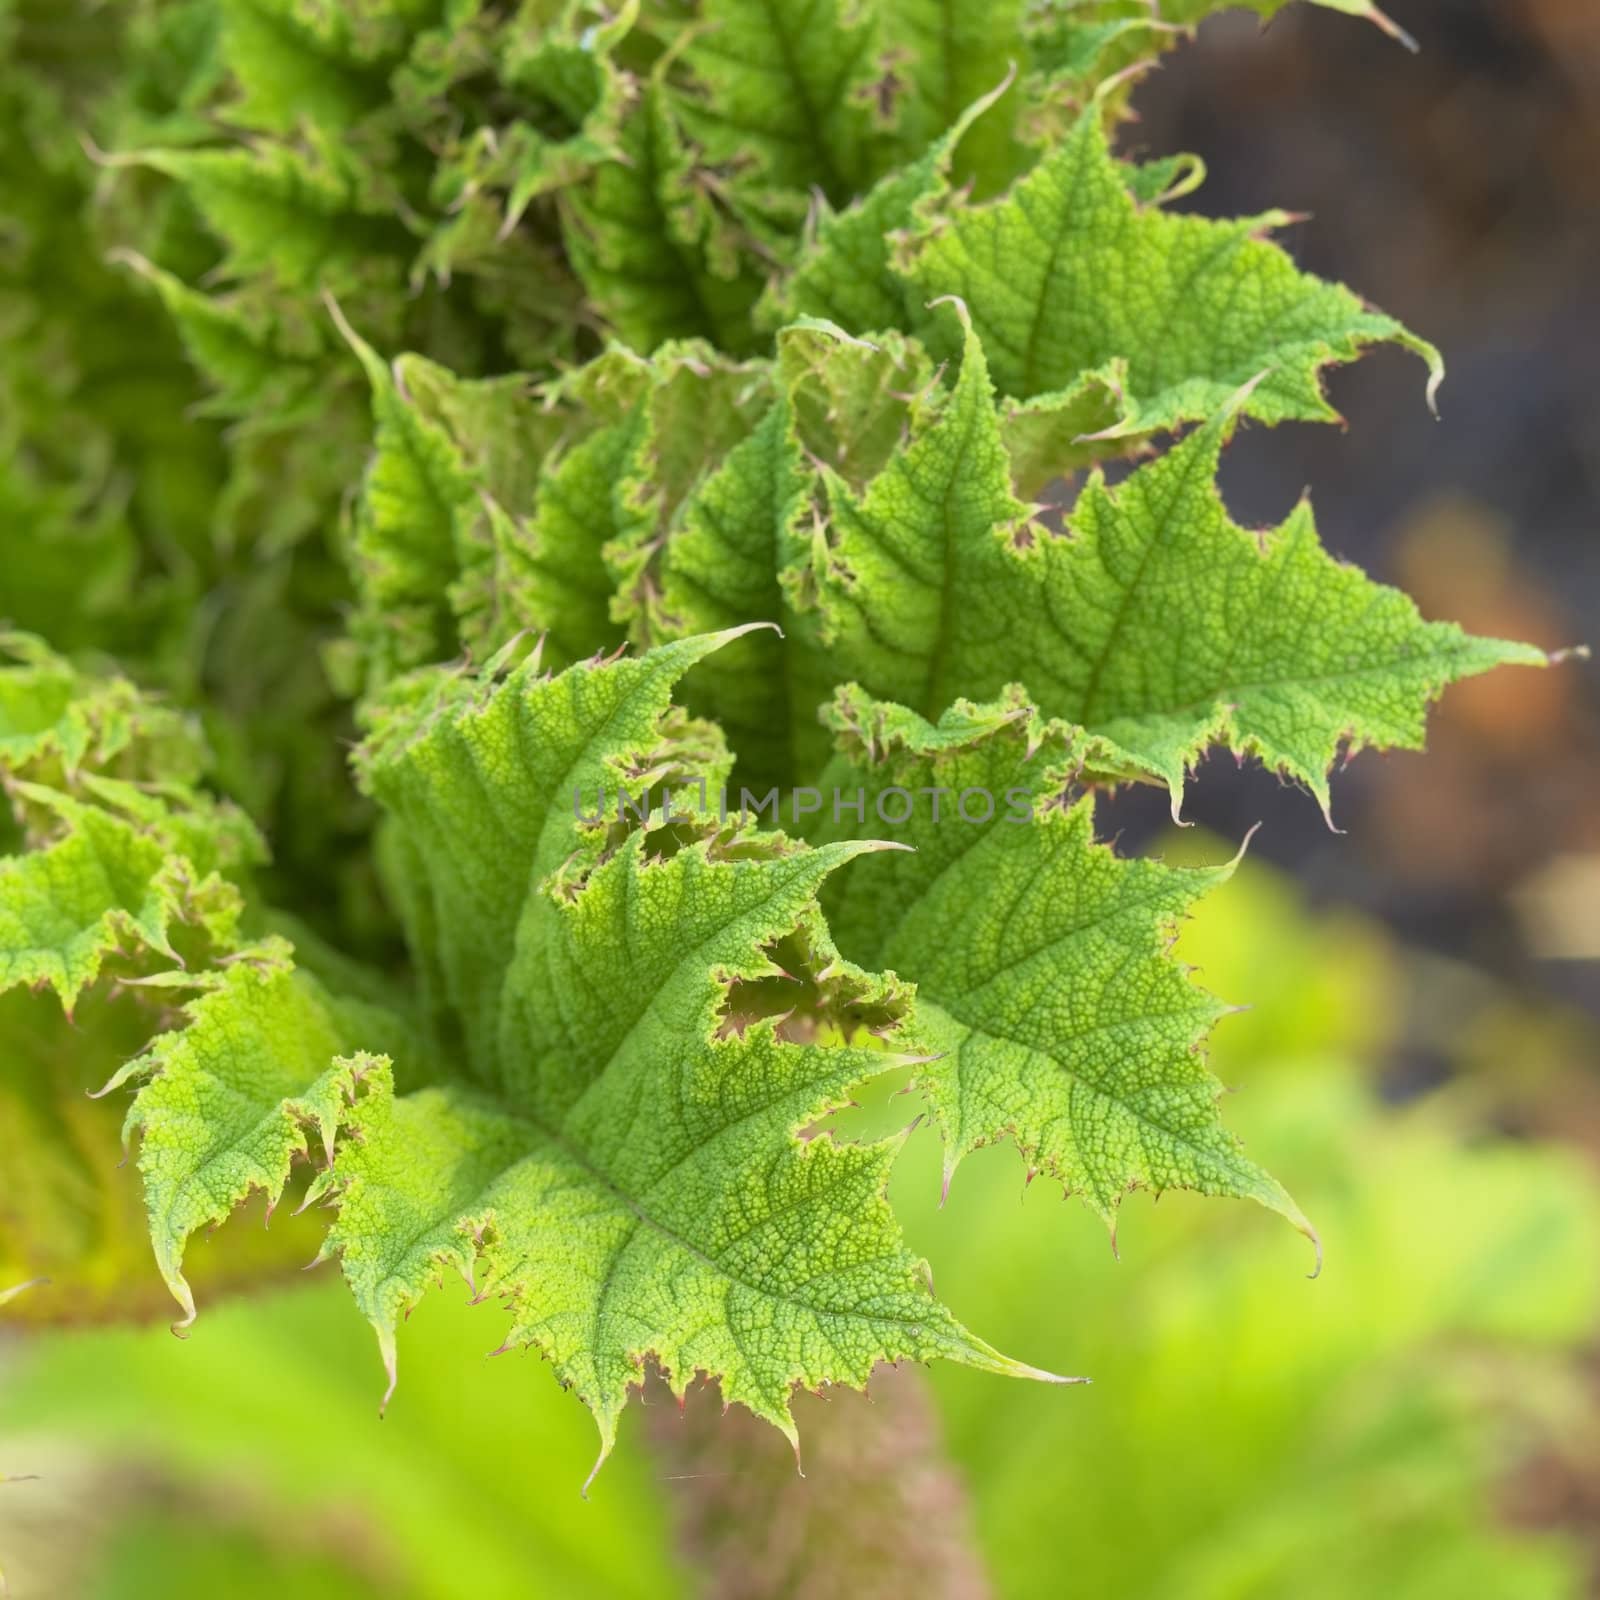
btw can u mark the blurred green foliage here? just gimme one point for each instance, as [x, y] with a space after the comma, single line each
[1251, 1434]
[269, 1415]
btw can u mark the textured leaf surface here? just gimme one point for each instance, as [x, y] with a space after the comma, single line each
[121, 851]
[1046, 991]
[307, 226]
[409, 528]
[485, 786]
[57, 721]
[952, 56]
[670, 1209]
[650, 246]
[627, 1172]
[294, 65]
[495, 506]
[784, 82]
[486, 508]
[100, 887]
[235, 1094]
[720, 567]
[1068, 273]
[851, 274]
[133, 887]
[732, 547]
[880, 518]
[1155, 622]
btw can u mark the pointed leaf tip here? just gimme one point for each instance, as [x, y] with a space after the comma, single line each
[391, 1366]
[1316, 1245]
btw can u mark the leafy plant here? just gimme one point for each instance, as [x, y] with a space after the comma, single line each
[813, 308]
[1371, 1418]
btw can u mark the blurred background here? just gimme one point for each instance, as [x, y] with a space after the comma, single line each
[1421, 1065]
[1460, 190]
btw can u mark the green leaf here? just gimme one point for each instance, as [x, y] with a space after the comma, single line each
[1054, 435]
[133, 886]
[565, 70]
[135, 883]
[722, 558]
[719, 568]
[1045, 272]
[294, 65]
[500, 428]
[948, 55]
[1264, 643]
[497, 506]
[57, 721]
[1048, 1001]
[492, 440]
[1154, 622]
[121, 853]
[785, 84]
[566, 589]
[104, 887]
[696, 408]
[486, 788]
[709, 1235]
[1068, 273]
[487, 506]
[409, 527]
[658, 257]
[248, 1083]
[849, 273]
[881, 520]
[308, 225]
[255, 375]
[626, 1171]
[1075, 48]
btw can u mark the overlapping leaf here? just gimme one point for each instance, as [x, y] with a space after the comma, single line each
[617, 1150]
[57, 722]
[1046, 991]
[1154, 621]
[127, 893]
[669, 1208]
[783, 85]
[105, 886]
[1069, 273]
[737, 546]
[657, 255]
[879, 518]
[120, 848]
[625, 1169]
[252, 1076]
[498, 505]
